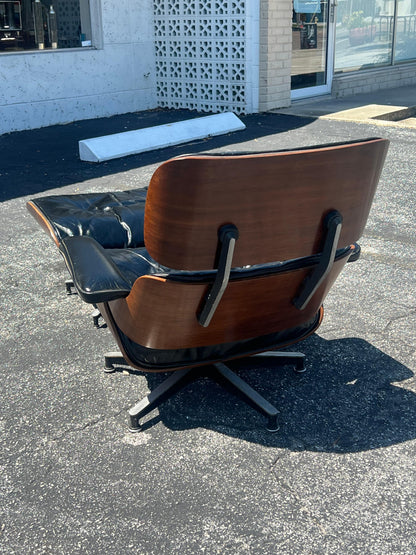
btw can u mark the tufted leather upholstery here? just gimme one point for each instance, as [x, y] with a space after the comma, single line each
[113, 219]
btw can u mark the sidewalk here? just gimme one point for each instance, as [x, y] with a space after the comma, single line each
[206, 477]
[395, 107]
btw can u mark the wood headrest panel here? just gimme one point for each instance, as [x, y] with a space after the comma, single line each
[277, 200]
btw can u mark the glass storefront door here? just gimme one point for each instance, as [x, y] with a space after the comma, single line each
[312, 47]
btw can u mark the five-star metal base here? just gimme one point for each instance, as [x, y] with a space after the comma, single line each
[218, 372]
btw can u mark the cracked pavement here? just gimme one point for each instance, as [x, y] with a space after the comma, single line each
[205, 476]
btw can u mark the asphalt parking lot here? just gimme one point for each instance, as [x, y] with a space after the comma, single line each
[205, 476]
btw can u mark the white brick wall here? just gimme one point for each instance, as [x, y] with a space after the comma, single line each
[356, 82]
[275, 53]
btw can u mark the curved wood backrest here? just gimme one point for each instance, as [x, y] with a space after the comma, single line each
[278, 202]
[162, 314]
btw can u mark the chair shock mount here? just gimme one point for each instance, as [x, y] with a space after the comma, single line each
[333, 225]
[227, 236]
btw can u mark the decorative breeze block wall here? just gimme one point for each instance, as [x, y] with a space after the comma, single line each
[204, 55]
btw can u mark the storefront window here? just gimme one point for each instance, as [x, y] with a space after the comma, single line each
[364, 33]
[405, 48]
[44, 24]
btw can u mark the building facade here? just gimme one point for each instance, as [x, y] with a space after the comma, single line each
[67, 60]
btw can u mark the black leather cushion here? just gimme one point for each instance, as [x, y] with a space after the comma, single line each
[101, 275]
[133, 263]
[168, 359]
[113, 219]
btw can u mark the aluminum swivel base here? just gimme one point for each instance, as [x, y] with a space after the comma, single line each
[218, 372]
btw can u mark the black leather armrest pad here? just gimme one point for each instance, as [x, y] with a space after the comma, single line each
[95, 276]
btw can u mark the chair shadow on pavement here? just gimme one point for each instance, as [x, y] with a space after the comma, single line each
[352, 398]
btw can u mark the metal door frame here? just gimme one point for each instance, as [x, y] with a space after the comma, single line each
[318, 90]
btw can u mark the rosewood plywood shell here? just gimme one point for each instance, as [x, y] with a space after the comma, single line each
[37, 214]
[277, 200]
[162, 314]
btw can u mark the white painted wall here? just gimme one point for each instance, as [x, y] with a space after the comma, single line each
[41, 88]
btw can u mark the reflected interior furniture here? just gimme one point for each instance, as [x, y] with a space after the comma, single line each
[239, 254]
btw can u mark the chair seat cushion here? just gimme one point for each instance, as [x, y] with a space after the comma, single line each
[101, 275]
[113, 219]
[133, 263]
[158, 360]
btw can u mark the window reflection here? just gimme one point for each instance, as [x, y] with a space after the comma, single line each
[364, 33]
[405, 48]
[309, 43]
[44, 24]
